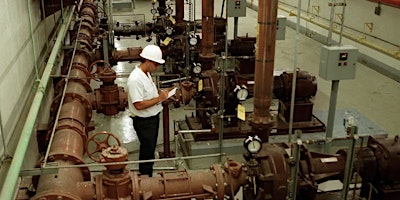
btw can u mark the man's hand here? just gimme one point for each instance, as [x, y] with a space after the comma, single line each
[163, 95]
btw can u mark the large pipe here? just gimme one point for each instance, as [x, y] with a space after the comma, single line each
[66, 146]
[8, 190]
[179, 10]
[207, 26]
[264, 67]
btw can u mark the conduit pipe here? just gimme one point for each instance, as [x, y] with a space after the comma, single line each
[8, 190]
[360, 40]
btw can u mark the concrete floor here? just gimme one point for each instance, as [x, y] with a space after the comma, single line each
[371, 96]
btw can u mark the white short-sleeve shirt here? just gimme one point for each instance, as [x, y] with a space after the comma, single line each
[142, 87]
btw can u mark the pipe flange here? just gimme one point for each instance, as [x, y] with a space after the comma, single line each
[123, 99]
[84, 101]
[220, 181]
[88, 5]
[83, 42]
[99, 187]
[62, 156]
[81, 98]
[55, 195]
[69, 125]
[61, 84]
[135, 185]
[86, 23]
[93, 66]
[84, 70]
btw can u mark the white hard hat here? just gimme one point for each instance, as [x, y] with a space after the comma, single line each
[152, 52]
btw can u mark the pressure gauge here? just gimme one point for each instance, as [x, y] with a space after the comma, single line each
[197, 68]
[242, 94]
[153, 11]
[168, 11]
[193, 41]
[253, 144]
[169, 30]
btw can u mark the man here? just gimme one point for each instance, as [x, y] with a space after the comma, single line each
[145, 104]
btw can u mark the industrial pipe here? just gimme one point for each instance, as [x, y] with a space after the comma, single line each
[8, 190]
[207, 27]
[264, 68]
[74, 111]
[179, 10]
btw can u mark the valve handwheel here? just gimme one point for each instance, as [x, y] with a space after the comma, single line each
[97, 142]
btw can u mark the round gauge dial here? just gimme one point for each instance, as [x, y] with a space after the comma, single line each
[242, 94]
[253, 144]
[197, 69]
[153, 11]
[169, 11]
[192, 41]
[169, 31]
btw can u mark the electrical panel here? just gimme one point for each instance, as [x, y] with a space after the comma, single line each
[281, 27]
[338, 62]
[236, 8]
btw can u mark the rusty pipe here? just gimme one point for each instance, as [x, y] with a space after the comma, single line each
[217, 182]
[129, 54]
[167, 151]
[66, 184]
[179, 11]
[207, 24]
[264, 67]
[69, 138]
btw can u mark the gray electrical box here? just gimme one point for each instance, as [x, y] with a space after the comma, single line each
[236, 8]
[338, 62]
[281, 27]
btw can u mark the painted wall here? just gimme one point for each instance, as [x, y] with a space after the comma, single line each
[24, 41]
[360, 22]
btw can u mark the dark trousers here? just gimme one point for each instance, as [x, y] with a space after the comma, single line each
[147, 132]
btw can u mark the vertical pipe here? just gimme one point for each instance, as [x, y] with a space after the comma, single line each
[222, 94]
[207, 24]
[179, 11]
[332, 108]
[295, 169]
[349, 162]
[7, 192]
[342, 22]
[264, 67]
[235, 27]
[296, 46]
[329, 42]
[167, 151]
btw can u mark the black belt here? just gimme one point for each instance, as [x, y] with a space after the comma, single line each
[137, 117]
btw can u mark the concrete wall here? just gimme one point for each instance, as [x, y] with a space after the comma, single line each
[375, 44]
[24, 41]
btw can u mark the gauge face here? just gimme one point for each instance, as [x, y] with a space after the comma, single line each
[168, 11]
[242, 94]
[169, 31]
[193, 41]
[153, 11]
[197, 69]
[253, 144]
